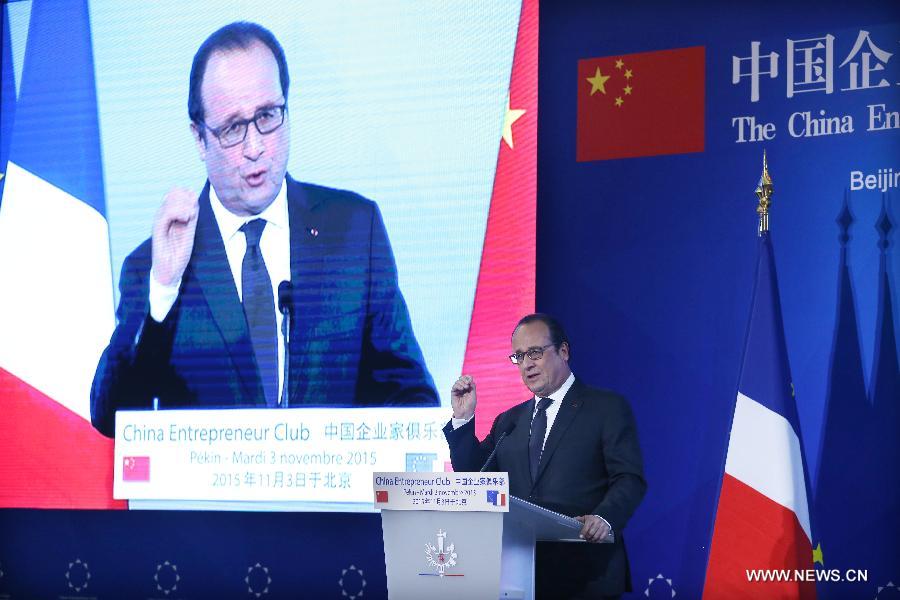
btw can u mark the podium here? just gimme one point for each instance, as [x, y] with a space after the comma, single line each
[436, 546]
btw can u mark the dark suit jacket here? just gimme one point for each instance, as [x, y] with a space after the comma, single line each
[591, 465]
[352, 342]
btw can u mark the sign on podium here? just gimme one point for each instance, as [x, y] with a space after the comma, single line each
[269, 459]
[461, 535]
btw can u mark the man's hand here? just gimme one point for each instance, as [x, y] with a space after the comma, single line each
[173, 234]
[463, 396]
[595, 529]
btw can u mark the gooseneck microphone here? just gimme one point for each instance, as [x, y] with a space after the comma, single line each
[506, 432]
[286, 308]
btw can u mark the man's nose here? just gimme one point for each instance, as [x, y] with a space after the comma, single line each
[253, 143]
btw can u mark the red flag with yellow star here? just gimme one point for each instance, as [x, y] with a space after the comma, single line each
[643, 104]
[505, 291]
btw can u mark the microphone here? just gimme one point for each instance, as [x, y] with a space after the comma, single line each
[286, 308]
[506, 432]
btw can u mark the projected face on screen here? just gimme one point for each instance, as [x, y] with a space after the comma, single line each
[244, 138]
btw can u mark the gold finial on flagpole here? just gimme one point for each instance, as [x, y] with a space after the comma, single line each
[764, 190]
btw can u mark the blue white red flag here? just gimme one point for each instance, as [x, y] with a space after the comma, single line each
[56, 309]
[496, 498]
[762, 520]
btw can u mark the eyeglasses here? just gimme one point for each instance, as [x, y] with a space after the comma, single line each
[532, 353]
[266, 120]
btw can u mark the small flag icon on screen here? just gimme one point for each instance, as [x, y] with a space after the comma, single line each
[496, 498]
[136, 468]
[381, 496]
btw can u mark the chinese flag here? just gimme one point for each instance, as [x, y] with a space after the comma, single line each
[381, 496]
[136, 468]
[643, 104]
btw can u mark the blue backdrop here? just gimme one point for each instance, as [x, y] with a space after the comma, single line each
[650, 261]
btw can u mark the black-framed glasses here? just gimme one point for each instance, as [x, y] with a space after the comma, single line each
[266, 120]
[532, 353]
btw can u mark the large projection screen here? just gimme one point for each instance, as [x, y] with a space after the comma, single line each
[406, 104]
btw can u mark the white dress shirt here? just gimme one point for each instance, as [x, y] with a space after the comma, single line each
[553, 409]
[275, 245]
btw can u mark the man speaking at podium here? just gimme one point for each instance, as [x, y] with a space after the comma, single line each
[197, 319]
[572, 449]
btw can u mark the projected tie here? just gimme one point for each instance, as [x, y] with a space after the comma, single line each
[259, 308]
[536, 441]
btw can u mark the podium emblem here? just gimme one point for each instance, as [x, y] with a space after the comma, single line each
[441, 557]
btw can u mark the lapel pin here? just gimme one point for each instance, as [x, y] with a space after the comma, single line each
[314, 232]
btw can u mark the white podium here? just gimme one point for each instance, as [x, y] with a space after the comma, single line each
[460, 535]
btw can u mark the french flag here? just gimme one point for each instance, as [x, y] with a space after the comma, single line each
[762, 520]
[56, 307]
[496, 498]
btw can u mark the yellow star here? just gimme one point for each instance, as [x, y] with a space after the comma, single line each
[628, 90]
[619, 101]
[628, 74]
[817, 555]
[510, 117]
[620, 63]
[598, 82]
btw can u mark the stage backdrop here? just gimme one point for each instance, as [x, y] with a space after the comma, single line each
[647, 242]
[647, 246]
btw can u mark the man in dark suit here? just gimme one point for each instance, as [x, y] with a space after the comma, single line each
[197, 319]
[572, 449]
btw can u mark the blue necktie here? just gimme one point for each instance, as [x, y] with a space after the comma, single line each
[259, 308]
[536, 441]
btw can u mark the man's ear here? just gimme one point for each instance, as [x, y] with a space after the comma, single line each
[564, 351]
[199, 139]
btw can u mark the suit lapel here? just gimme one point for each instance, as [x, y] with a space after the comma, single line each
[306, 279]
[518, 447]
[568, 410]
[210, 267]
[522, 431]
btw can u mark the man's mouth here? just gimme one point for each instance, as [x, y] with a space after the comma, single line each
[255, 178]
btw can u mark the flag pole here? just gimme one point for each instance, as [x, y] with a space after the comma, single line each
[764, 190]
